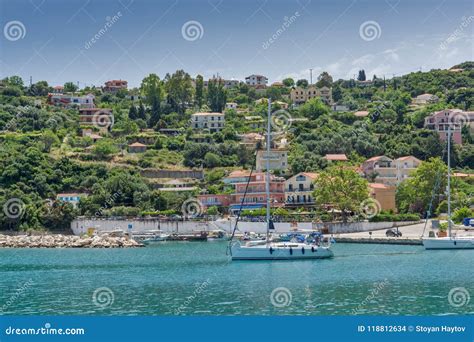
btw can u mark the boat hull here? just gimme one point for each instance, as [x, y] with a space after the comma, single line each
[287, 252]
[448, 243]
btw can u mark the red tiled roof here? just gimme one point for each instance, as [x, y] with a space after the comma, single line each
[137, 144]
[340, 157]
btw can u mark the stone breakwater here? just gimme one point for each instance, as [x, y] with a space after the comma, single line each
[66, 241]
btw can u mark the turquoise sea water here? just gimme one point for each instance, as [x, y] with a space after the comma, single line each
[197, 278]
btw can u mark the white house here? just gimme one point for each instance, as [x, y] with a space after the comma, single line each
[299, 189]
[256, 80]
[214, 122]
[231, 105]
[425, 99]
[278, 159]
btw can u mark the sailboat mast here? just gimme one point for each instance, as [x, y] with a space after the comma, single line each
[267, 176]
[449, 179]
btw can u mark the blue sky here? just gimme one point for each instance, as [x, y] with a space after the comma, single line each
[146, 36]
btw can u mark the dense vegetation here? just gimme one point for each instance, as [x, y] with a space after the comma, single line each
[43, 152]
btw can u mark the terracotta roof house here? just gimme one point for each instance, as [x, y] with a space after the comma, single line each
[136, 147]
[336, 157]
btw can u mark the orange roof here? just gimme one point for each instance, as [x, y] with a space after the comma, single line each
[361, 113]
[310, 174]
[137, 144]
[378, 186]
[374, 158]
[340, 157]
[238, 174]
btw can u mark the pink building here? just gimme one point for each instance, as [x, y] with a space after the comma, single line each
[456, 118]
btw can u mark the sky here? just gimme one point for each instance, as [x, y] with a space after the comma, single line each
[91, 42]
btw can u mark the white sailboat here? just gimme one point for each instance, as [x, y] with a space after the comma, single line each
[449, 242]
[266, 249]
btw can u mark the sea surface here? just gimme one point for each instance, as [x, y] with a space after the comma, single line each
[197, 278]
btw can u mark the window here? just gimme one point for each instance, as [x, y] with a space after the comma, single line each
[290, 187]
[301, 187]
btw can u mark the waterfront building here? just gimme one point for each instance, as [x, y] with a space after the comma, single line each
[382, 169]
[278, 159]
[299, 190]
[384, 194]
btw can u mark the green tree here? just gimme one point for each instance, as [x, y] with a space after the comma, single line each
[324, 80]
[288, 82]
[152, 89]
[342, 188]
[314, 108]
[216, 95]
[199, 91]
[132, 112]
[70, 87]
[179, 90]
[427, 183]
[141, 111]
[302, 83]
[104, 148]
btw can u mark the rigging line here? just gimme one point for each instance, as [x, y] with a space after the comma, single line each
[241, 205]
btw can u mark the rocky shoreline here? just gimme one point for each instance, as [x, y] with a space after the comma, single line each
[66, 241]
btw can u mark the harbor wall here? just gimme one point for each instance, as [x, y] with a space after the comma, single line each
[83, 225]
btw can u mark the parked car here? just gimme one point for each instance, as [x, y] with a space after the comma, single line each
[393, 232]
